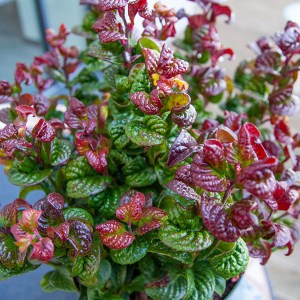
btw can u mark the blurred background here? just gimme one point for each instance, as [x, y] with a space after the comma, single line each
[21, 25]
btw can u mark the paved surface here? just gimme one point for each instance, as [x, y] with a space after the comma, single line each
[253, 19]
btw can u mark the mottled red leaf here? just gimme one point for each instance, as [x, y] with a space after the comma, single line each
[183, 190]
[213, 154]
[43, 131]
[8, 132]
[217, 220]
[241, 213]
[97, 159]
[182, 148]
[61, 231]
[132, 211]
[29, 219]
[148, 104]
[42, 251]
[24, 111]
[152, 218]
[107, 29]
[206, 178]
[53, 205]
[113, 235]
[151, 60]
[107, 5]
[282, 133]
[185, 118]
[41, 104]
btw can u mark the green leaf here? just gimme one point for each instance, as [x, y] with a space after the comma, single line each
[130, 255]
[104, 272]
[19, 178]
[89, 274]
[142, 178]
[220, 285]
[107, 201]
[116, 131]
[141, 82]
[190, 240]
[146, 42]
[61, 151]
[6, 273]
[175, 289]
[204, 282]
[150, 131]
[102, 52]
[162, 249]
[76, 213]
[229, 266]
[59, 279]
[176, 102]
[77, 266]
[136, 285]
[25, 190]
[87, 186]
[190, 287]
[78, 168]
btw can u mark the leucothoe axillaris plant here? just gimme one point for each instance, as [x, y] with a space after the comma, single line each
[149, 193]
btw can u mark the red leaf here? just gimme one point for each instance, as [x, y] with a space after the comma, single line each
[140, 7]
[197, 21]
[182, 189]
[151, 60]
[43, 131]
[186, 118]
[29, 219]
[213, 154]
[8, 132]
[132, 211]
[234, 120]
[169, 66]
[241, 213]
[24, 111]
[249, 145]
[53, 205]
[204, 177]
[42, 251]
[61, 231]
[107, 5]
[152, 218]
[259, 179]
[148, 104]
[113, 235]
[22, 74]
[218, 10]
[97, 159]
[217, 220]
[184, 174]
[282, 133]
[76, 113]
[41, 104]
[182, 148]
[10, 211]
[107, 29]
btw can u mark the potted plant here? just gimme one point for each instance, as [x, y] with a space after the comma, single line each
[149, 192]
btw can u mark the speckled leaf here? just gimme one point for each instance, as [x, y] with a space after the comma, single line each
[87, 186]
[182, 189]
[130, 255]
[78, 168]
[77, 266]
[142, 178]
[59, 279]
[233, 265]
[6, 273]
[204, 282]
[113, 235]
[60, 152]
[150, 131]
[43, 131]
[116, 131]
[185, 239]
[19, 178]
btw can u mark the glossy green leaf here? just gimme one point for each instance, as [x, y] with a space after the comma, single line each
[19, 178]
[231, 265]
[175, 288]
[76, 213]
[146, 42]
[6, 273]
[78, 168]
[107, 201]
[204, 282]
[87, 186]
[104, 272]
[141, 82]
[162, 249]
[142, 178]
[150, 131]
[60, 152]
[131, 254]
[77, 266]
[185, 239]
[59, 279]
[116, 131]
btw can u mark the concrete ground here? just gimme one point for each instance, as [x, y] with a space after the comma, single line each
[253, 19]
